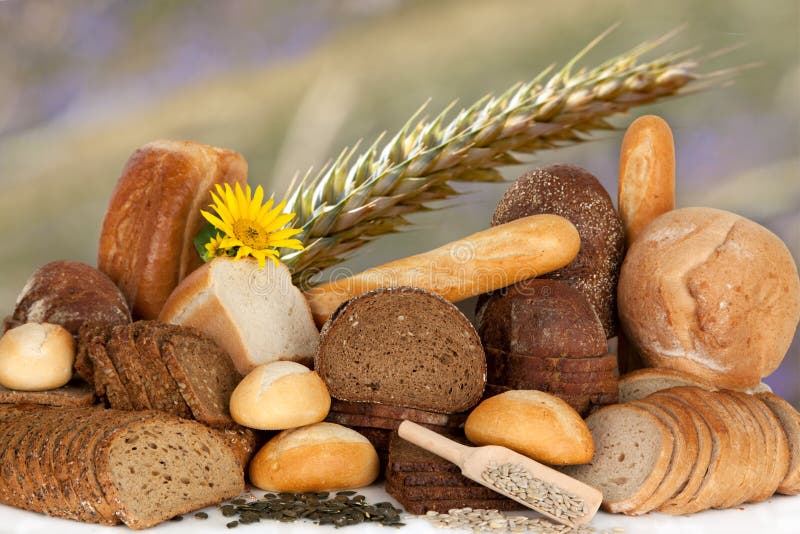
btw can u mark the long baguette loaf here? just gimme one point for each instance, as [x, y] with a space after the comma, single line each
[482, 262]
[646, 174]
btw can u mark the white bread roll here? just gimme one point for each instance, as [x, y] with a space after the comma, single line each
[532, 423]
[318, 457]
[256, 315]
[710, 293]
[280, 395]
[36, 357]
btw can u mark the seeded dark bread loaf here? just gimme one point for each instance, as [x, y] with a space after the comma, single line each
[146, 243]
[107, 466]
[75, 393]
[70, 293]
[404, 347]
[576, 195]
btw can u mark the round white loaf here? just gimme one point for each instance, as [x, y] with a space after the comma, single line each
[533, 423]
[318, 457]
[280, 395]
[36, 357]
[710, 293]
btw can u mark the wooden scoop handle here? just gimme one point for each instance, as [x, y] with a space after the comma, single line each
[436, 443]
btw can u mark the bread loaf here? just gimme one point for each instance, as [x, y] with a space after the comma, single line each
[255, 314]
[532, 423]
[70, 293]
[405, 347]
[280, 395]
[318, 457]
[576, 195]
[482, 262]
[146, 242]
[36, 357]
[710, 293]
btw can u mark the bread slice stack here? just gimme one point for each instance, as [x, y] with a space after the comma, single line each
[148, 365]
[422, 481]
[684, 449]
[545, 335]
[109, 466]
[400, 353]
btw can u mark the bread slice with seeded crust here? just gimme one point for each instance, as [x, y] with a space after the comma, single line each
[790, 421]
[632, 452]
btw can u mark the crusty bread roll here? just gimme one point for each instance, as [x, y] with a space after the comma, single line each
[36, 357]
[280, 395]
[146, 244]
[711, 293]
[318, 457]
[532, 423]
[481, 262]
[646, 174]
[255, 314]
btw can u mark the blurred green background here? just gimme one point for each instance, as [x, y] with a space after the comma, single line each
[290, 83]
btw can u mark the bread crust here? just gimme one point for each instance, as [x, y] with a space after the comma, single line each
[146, 242]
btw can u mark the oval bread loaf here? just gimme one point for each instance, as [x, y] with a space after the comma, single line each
[280, 395]
[318, 457]
[532, 423]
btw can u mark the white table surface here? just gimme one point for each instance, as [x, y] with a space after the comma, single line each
[779, 515]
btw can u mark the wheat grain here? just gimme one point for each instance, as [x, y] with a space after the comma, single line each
[356, 199]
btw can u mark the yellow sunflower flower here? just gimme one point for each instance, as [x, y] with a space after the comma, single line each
[215, 248]
[248, 226]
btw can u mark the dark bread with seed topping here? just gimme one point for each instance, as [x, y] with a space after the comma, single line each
[69, 293]
[404, 347]
[575, 194]
[75, 393]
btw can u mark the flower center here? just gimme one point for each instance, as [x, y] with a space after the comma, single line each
[251, 234]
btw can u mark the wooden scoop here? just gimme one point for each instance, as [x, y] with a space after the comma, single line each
[475, 461]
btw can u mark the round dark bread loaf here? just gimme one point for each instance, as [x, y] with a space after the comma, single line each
[575, 194]
[402, 346]
[70, 293]
[542, 319]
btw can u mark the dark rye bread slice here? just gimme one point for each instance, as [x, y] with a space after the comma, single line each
[123, 354]
[404, 347]
[379, 437]
[632, 452]
[75, 393]
[371, 421]
[604, 362]
[608, 385]
[790, 421]
[398, 412]
[161, 388]
[575, 194]
[154, 469]
[441, 493]
[107, 382]
[443, 506]
[204, 373]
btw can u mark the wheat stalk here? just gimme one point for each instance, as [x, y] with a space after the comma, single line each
[348, 204]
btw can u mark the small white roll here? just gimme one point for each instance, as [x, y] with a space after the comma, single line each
[36, 357]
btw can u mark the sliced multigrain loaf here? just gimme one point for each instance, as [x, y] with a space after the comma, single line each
[642, 382]
[604, 362]
[441, 493]
[205, 375]
[684, 456]
[9, 468]
[403, 347]
[704, 446]
[162, 390]
[155, 469]
[107, 381]
[633, 449]
[122, 352]
[398, 412]
[790, 421]
[75, 393]
[243, 441]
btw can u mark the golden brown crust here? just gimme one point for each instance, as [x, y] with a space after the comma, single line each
[146, 244]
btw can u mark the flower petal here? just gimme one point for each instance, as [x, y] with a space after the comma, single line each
[255, 204]
[295, 244]
[217, 222]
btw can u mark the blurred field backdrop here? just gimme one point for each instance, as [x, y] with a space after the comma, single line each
[290, 83]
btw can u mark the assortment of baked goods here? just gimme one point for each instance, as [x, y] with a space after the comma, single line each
[161, 417]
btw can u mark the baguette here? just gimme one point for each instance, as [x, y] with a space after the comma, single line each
[482, 262]
[646, 174]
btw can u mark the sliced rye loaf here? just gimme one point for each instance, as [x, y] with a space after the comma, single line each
[790, 421]
[604, 362]
[152, 470]
[404, 347]
[684, 456]
[441, 493]
[632, 452]
[75, 393]
[398, 412]
[371, 421]
[642, 382]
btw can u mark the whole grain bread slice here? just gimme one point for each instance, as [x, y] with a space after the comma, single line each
[371, 421]
[122, 352]
[790, 421]
[162, 390]
[441, 493]
[398, 412]
[107, 382]
[403, 347]
[75, 393]
[632, 452]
